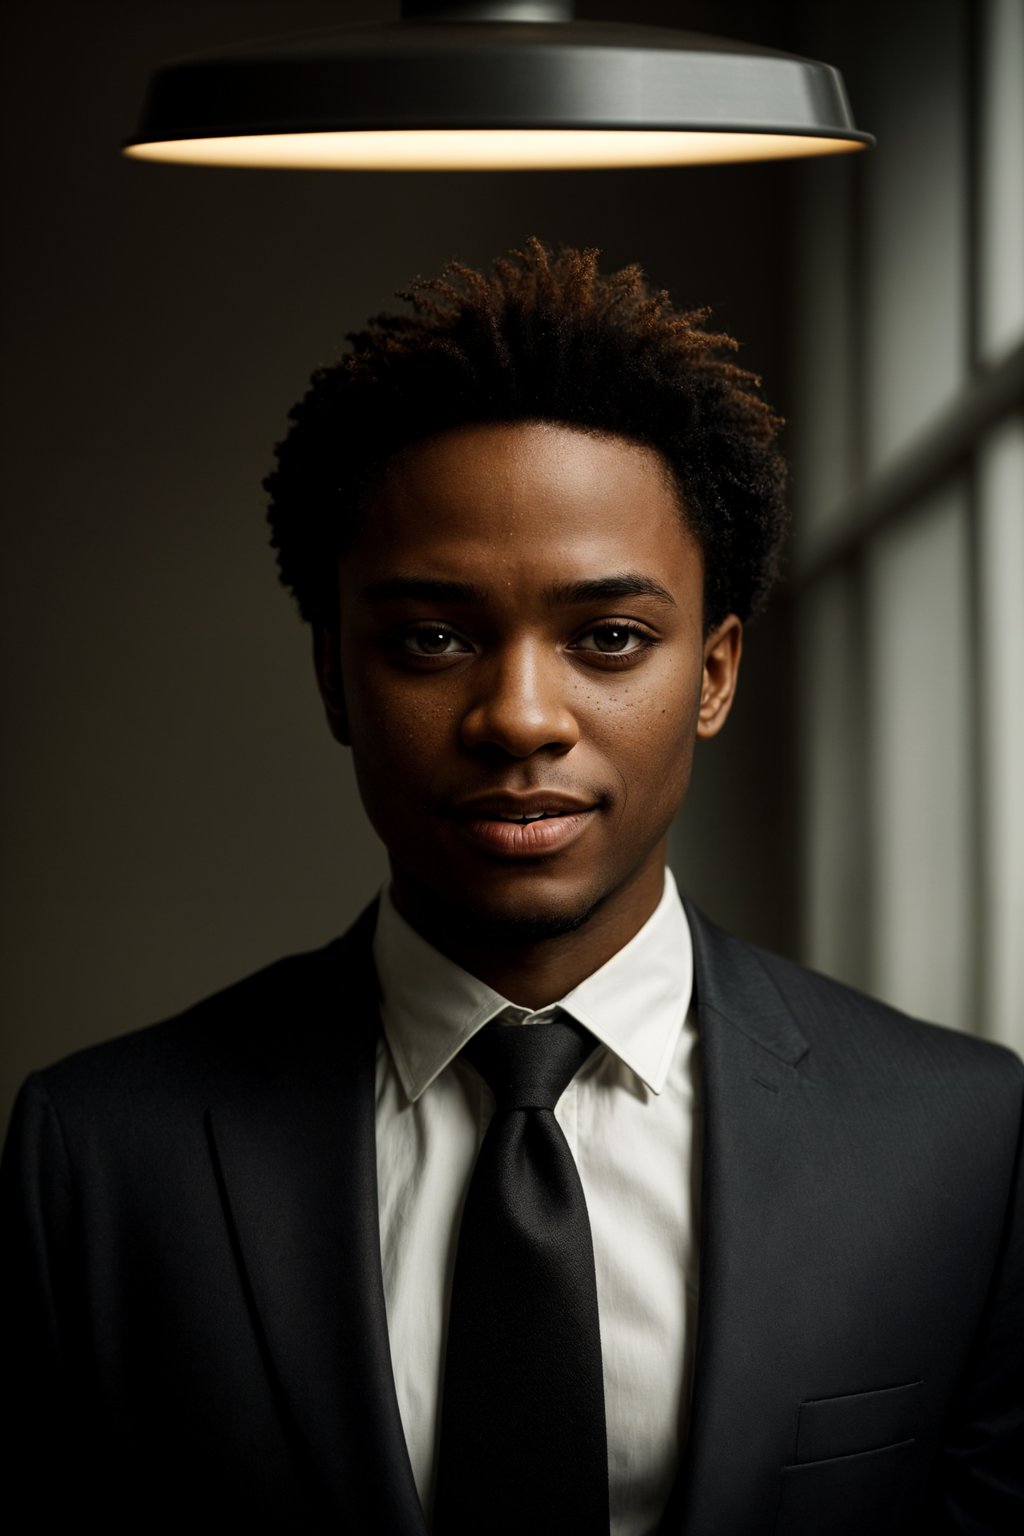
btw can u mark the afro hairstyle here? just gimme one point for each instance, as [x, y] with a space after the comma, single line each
[539, 337]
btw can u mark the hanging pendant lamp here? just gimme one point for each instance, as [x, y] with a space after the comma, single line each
[492, 86]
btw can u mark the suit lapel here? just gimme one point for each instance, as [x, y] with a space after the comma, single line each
[295, 1151]
[749, 1048]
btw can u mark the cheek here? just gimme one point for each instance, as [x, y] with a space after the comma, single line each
[384, 716]
[398, 735]
[665, 734]
[657, 713]
[646, 734]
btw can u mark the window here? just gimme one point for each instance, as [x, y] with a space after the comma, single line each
[908, 459]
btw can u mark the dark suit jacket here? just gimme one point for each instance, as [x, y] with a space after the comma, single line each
[199, 1320]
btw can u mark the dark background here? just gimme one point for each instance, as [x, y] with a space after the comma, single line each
[176, 813]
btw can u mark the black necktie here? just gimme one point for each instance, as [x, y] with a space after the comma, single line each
[523, 1448]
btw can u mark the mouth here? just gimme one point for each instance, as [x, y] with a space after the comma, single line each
[525, 806]
[524, 821]
[524, 826]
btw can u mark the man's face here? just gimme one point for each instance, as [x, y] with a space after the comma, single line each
[521, 635]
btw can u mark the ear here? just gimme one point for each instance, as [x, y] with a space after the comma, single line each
[327, 661]
[722, 651]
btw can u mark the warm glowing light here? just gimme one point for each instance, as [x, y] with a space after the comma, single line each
[486, 149]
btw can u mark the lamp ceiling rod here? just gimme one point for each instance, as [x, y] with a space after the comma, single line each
[487, 10]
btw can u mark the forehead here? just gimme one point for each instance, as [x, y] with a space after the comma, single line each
[524, 494]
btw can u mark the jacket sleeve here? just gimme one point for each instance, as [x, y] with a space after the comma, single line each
[41, 1296]
[979, 1483]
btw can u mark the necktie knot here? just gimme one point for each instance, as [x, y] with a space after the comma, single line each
[529, 1066]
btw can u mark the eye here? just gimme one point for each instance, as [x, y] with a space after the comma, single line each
[432, 640]
[614, 640]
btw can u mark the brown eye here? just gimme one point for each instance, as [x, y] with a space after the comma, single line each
[432, 642]
[613, 638]
[623, 643]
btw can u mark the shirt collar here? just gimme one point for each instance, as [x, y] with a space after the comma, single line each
[634, 1004]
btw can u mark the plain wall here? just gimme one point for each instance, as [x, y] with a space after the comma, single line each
[175, 812]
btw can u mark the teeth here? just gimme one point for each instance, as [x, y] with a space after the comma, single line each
[522, 820]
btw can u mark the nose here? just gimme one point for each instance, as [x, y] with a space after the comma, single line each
[519, 705]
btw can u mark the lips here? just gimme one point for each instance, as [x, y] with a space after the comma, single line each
[526, 825]
[511, 806]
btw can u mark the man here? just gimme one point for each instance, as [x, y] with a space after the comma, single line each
[536, 1202]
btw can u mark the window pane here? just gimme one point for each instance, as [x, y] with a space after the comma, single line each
[918, 650]
[823, 416]
[1001, 178]
[835, 908]
[916, 301]
[1001, 560]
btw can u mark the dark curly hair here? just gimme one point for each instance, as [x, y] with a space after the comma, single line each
[540, 337]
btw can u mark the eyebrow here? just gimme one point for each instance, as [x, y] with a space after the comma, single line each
[425, 588]
[562, 594]
[601, 588]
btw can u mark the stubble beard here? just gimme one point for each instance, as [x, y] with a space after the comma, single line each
[519, 930]
[480, 927]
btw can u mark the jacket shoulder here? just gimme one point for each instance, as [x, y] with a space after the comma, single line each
[268, 1020]
[856, 1011]
[846, 1028]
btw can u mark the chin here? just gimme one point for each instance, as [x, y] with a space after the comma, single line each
[525, 922]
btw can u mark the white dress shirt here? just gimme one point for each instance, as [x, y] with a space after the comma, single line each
[631, 1122]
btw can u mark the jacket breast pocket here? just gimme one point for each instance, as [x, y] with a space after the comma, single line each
[854, 1463]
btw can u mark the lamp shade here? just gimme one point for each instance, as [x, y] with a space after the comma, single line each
[500, 86]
